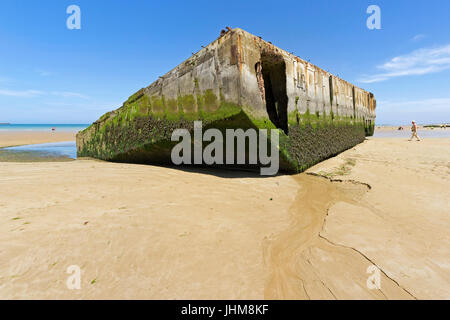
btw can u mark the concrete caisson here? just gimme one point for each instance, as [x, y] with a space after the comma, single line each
[237, 81]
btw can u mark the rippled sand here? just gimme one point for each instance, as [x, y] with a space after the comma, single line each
[165, 233]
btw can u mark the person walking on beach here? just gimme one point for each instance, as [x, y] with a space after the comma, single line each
[414, 131]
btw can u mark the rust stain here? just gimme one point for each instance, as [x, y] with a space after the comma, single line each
[240, 53]
[306, 77]
[260, 79]
[234, 55]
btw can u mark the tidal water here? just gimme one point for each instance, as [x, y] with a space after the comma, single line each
[57, 151]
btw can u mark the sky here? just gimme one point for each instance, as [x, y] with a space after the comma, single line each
[51, 74]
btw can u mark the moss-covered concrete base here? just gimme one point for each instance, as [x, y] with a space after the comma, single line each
[308, 144]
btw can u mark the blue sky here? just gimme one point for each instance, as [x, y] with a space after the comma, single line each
[50, 74]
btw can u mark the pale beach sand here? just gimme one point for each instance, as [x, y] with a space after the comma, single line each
[17, 138]
[151, 232]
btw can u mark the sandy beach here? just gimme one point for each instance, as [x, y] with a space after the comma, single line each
[148, 232]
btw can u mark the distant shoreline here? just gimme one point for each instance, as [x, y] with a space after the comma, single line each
[43, 127]
[409, 124]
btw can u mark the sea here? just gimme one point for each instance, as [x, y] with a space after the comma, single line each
[42, 127]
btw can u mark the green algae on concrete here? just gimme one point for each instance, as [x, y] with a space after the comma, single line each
[222, 86]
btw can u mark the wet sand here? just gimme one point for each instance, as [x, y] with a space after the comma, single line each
[166, 233]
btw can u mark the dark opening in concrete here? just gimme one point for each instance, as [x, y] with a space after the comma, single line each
[331, 91]
[274, 75]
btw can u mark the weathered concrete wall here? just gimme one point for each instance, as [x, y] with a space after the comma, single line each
[213, 68]
[238, 81]
[306, 83]
[204, 87]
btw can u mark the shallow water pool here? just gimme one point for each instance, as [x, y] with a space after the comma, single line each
[55, 151]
